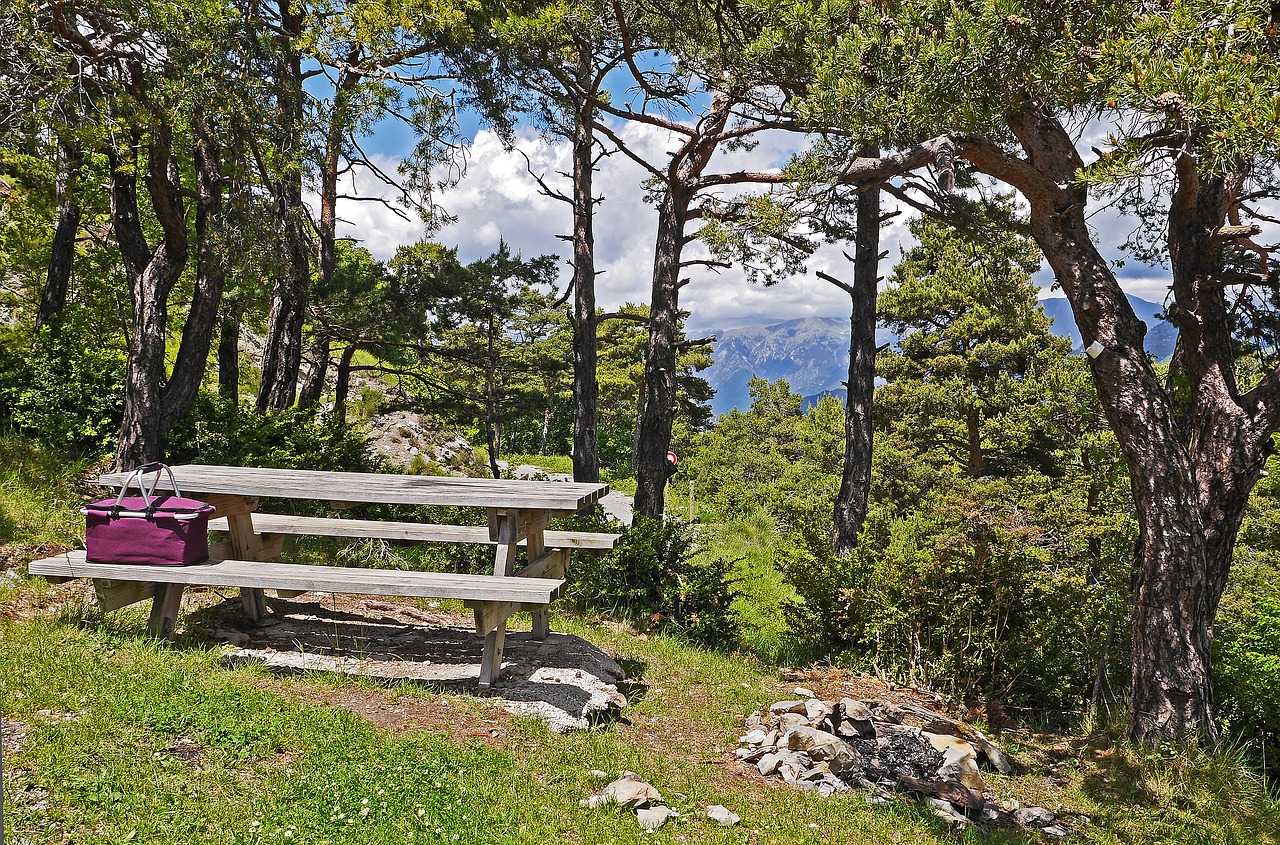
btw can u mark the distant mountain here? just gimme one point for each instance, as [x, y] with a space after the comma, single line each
[812, 353]
[1161, 335]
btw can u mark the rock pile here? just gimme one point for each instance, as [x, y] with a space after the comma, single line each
[835, 746]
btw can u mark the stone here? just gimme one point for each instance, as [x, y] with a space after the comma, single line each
[723, 815]
[598, 774]
[1054, 830]
[817, 711]
[828, 748]
[1033, 817]
[780, 707]
[628, 791]
[945, 810]
[790, 721]
[804, 692]
[754, 721]
[756, 737]
[769, 763]
[753, 754]
[959, 760]
[652, 818]
[231, 636]
[794, 765]
[990, 813]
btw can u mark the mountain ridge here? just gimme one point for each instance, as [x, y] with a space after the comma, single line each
[812, 353]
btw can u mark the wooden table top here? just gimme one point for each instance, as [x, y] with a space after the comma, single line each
[376, 487]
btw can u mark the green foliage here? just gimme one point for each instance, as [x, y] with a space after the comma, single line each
[39, 500]
[1247, 657]
[67, 392]
[220, 431]
[655, 578]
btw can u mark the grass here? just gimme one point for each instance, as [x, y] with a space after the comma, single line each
[126, 739]
[39, 502]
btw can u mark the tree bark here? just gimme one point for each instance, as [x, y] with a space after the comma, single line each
[343, 387]
[229, 353]
[657, 407]
[656, 411]
[850, 509]
[152, 276]
[53, 299]
[1191, 473]
[586, 390]
[189, 367]
[313, 386]
[282, 350]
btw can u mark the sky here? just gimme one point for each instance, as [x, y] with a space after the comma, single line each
[497, 199]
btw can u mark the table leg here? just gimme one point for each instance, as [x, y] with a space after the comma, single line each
[541, 615]
[164, 610]
[246, 545]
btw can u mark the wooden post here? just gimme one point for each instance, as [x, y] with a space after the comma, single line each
[164, 610]
[246, 545]
[541, 615]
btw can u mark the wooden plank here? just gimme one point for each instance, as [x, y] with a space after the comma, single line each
[540, 618]
[245, 545]
[491, 615]
[491, 658]
[164, 610]
[386, 530]
[113, 595]
[326, 579]
[551, 564]
[289, 594]
[228, 505]
[378, 487]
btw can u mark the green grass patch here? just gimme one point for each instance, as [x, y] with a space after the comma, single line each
[39, 504]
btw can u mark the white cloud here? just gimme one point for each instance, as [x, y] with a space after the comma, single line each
[498, 199]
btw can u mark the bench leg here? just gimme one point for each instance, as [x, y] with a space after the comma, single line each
[255, 604]
[164, 610]
[541, 622]
[491, 661]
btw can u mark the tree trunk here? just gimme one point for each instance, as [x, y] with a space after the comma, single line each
[586, 390]
[1191, 474]
[973, 430]
[152, 276]
[282, 350]
[229, 353]
[342, 389]
[656, 412]
[197, 333]
[313, 386]
[850, 510]
[53, 299]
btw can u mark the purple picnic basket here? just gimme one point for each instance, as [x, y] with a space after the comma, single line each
[150, 529]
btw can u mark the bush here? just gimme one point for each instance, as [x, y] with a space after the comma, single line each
[966, 595]
[68, 392]
[220, 431]
[1247, 657]
[654, 579]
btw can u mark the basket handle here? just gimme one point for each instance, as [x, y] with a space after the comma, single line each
[140, 473]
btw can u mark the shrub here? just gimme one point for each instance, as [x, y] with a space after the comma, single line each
[1247, 657]
[653, 578]
[220, 431]
[68, 392]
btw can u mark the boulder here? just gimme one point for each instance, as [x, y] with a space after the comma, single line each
[959, 760]
[817, 712]
[780, 707]
[769, 763]
[627, 791]
[652, 818]
[723, 815]
[825, 747]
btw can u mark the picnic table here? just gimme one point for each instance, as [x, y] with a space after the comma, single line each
[518, 514]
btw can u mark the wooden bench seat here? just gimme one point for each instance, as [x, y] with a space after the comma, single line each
[492, 598]
[271, 523]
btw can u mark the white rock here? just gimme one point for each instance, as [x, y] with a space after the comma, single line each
[779, 707]
[829, 748]
[769, 763]
[652, 818]
[231, 636]
[598, 774]
[1033, 817]
[630, 791]
[804, 692]
[723, 815]
[756, 737]
[959, 761]
[817, 711]
[1054, 830]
